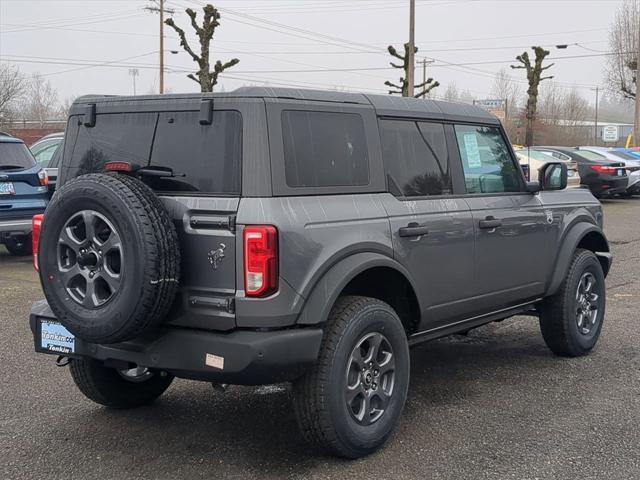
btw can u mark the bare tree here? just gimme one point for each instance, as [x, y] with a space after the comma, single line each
[13, 85]
[623, 43]
[561, 113]
[40, 101]
[65, 107]
[534, 77]
[452, 94]
[504, 87]
[403, 87]
[204, 77]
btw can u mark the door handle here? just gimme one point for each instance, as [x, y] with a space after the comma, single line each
[413, 229]
[490, 222]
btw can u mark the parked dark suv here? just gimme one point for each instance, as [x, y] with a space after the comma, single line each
[270, 235]
[24, 192]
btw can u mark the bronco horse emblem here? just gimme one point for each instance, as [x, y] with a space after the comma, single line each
[216, 256]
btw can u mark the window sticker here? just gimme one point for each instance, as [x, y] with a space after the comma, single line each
[472, 150]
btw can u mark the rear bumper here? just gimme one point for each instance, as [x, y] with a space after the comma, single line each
[15, 226]
[609, 186]
[241, 357]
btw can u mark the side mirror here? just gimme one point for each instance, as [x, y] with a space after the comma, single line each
[532, 187]
[553, 176]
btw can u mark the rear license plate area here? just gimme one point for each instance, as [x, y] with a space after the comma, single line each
[55, 338]
[7, 188]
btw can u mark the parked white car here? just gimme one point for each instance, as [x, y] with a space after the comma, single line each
[535, 159]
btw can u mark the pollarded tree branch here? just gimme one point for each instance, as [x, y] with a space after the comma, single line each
[183, 39]
[205, 32]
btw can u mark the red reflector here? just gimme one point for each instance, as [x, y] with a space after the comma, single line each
[260, 260]
[36, 226]
[118, 167]
[605, 186]
[603, 169]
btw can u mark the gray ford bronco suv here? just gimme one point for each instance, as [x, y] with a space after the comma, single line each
[282, 235]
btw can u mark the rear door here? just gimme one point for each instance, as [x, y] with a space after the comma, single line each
[202, 196]
[512, 247]
[432, 230]
[200, 148]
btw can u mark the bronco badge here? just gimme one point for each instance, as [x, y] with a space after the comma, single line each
[216, 256]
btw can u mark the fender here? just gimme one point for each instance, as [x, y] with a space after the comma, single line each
[327, 289]
[568, 245]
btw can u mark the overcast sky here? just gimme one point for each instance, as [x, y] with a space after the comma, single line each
[281, 37]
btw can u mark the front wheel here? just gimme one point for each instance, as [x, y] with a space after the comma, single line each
[120, 389]
[571, 320]
[350, 402]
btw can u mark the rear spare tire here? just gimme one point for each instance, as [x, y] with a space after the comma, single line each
[109, 258]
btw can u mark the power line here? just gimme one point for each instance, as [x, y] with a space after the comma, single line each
[47, 27]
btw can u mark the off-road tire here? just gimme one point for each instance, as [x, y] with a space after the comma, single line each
[558, 313]
[319, 398]
[107, 387]
[18, 247]
[151, 257]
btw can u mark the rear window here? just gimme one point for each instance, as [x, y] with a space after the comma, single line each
[596, 157]
[118, 137]
[15, 156]
[204, 158]
[324, 149]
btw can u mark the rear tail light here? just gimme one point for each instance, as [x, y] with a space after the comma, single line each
[43, 177]
[118, 167]
[260, 260]
[36, 226]
[603, 169]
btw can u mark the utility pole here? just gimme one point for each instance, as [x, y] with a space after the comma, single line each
[595, 132]
[161, 10]
[412, 44]
[134, 72]
[636, 123]
[425, 62]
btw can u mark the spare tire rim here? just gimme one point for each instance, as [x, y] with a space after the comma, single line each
[90, 259]
[587, 303]
[370, 378]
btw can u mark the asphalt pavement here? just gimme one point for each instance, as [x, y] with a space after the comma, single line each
[495, 404]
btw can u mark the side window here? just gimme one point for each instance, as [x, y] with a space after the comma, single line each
[324, 149]
[487, 164]
[123, 137]
[204, 158]
[43, 157]
[415, 157]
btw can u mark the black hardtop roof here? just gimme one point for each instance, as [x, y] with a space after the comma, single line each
[386, 105]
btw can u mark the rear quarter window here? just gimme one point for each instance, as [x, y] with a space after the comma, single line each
[324, 149]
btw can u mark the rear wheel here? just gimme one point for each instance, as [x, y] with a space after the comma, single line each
[571, 320]
[119, 389]
[351, 401]
[18, 246]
